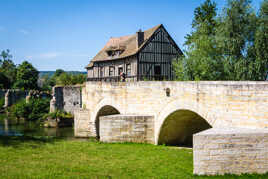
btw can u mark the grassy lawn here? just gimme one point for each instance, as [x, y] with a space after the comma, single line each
[55, 158]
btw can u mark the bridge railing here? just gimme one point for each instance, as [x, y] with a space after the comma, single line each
[132, 78]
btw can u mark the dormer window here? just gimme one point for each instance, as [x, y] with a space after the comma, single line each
[112, 53]
[115, 51]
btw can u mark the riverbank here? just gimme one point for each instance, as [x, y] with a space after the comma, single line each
[46, 157]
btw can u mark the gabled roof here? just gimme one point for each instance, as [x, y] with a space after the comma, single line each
[127, 42]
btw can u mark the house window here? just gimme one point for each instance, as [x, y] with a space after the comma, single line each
[120, 70]
[111, 71]
[128, 70]
[101, 71]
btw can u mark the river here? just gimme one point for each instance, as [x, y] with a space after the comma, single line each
[9, 127]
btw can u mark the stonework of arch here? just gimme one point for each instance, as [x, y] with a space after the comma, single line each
[176, 105]
[103, 103]
[105, 107]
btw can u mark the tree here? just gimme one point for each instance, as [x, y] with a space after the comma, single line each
[201, 61]
[58, 72]
[5, 55]
[27, 76]
[261, 44]
[235, 37]
[7, 67]
[4, 81]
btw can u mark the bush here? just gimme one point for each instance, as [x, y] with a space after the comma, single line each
[2, 102]
[59, 114]
[34, 110]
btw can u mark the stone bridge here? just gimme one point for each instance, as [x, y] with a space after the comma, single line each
[171, 112]
[177, 107]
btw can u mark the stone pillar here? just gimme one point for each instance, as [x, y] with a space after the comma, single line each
[53, 101]
[7, 100]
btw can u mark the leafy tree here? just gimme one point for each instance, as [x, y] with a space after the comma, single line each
[70, 79]
[235, 36]
[201, 61]
[5, 55]
[7, 67]
[34, 110]
[27, 76]
[261, 44]
[4, 81]
[58, 72]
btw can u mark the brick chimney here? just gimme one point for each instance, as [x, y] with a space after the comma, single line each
[140, 38]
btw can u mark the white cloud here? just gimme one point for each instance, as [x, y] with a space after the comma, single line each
[24, 31]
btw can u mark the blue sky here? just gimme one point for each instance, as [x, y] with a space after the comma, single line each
[66, 34]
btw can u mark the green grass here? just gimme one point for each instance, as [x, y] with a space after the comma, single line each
[55, 158]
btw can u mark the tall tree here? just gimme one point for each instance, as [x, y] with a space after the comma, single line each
[201, 61]
[27, 76]
[261, 43]
[7, 67]
[235, 36]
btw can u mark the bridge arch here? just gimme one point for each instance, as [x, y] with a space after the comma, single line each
[104, 108]
[179, 120]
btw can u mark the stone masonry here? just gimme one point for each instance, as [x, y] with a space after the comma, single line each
[235, 151]
[67, 98]
[127, 128]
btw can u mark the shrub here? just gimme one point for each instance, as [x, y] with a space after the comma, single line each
[2, 102]
[34, 110]
[59, 114]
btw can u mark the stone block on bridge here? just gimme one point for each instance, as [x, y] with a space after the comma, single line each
[230, 151]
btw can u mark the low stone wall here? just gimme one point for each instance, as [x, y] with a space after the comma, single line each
[127, 128]
[82, 126]
[232, 151]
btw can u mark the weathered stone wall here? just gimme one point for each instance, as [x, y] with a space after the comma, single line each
[83, 127]
[233, 151]
[230, 104]
[127, 128]
[67, 98]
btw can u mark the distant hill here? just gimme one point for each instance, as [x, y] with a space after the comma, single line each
[50, 73]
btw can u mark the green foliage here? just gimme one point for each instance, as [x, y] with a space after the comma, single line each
[2, 102]
[20, 110]
[231, 46]
[27, 76]
[63, 78]
[7, 70]
[4, 81]
[201, 61]
[235, 36]
[58, 72]
[70, 79]
[33, 110]
[261, 43]
[58, 114]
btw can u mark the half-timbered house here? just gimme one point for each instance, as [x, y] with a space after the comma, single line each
[146, 55]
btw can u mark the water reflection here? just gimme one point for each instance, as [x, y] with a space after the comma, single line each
[9, 127]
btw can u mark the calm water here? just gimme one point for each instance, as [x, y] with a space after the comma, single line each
[8, 127]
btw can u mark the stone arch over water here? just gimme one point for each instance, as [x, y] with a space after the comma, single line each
[179, 126]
